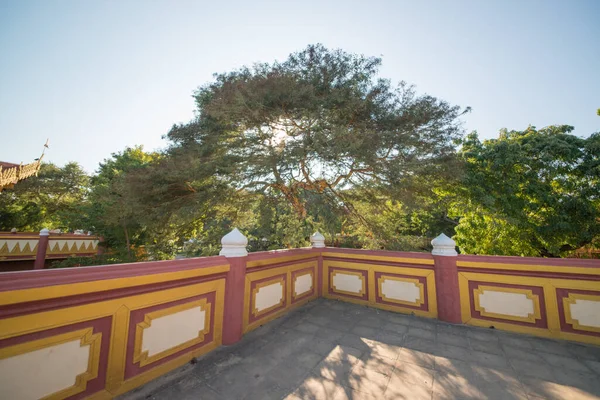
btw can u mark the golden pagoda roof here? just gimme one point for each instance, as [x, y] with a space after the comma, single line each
[11, 173]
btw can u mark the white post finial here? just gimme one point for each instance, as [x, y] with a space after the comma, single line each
[234, 244]
[443, 246]
[44, 232]
[317, 240]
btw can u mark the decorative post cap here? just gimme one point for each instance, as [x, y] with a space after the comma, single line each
[443, 246]
[317, 240]
[44, 232]
[234, 244]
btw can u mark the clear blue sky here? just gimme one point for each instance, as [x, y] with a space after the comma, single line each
[96, 76]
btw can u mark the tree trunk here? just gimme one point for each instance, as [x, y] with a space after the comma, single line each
[127, 240]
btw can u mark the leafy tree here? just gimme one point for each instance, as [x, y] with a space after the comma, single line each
[50, 200]
[317, 124]
[112, 211]
[267, 220]
[179, 196]
[531, 192]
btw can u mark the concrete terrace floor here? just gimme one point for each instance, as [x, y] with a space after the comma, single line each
[336, 351]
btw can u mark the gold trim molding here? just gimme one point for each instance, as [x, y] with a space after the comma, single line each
[87, 338]
[312, 284]
[255, 311]
[370, 257]
[142, 356]
[71, 289]
[531, 318]
[420, 301]
[529, 267]
[360, 275]
[278, 260]
[572, 299]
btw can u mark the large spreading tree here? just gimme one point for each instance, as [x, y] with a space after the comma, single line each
[320, 123]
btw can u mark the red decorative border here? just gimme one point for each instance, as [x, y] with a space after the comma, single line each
[310, 253]
[379, 262]
[421, 279]
[382, 253]
[509, 272]
[251, 317]
[557, 262]
[14, 310]
[537, 290]
[564, 325]
[274, 254]
[100, 325]
[365, 275]
[311, 292]
[49, 277]
[283, 264]
[137, 316]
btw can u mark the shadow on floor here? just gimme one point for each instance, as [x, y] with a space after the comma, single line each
[336, 351]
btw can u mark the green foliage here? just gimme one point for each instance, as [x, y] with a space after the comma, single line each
[113, 211]
[320, 122]
[268, 221]
[51, 200]
[321, 142]
[316, 135]
[531, 192]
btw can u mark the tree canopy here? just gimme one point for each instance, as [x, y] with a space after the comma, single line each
[531, 192]
[319, 122]
[112, 211]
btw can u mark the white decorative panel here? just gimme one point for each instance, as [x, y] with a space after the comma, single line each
[586, 312]
[57, 245]
[399, 290]
[268, 296]
[172, 330]
[12, 243]
[347, 282]
[303, 284]
[39, 373]
[18, 245]
[515, 304]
